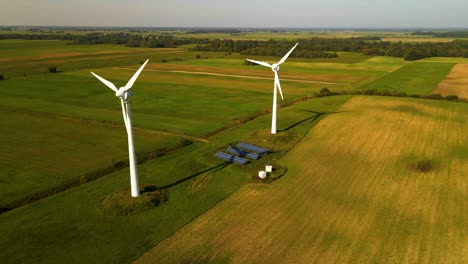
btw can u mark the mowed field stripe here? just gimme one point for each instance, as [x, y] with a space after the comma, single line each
[456, 82]
[352, 193]
[238, 76]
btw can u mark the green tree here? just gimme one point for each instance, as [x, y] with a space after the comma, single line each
[52, 69]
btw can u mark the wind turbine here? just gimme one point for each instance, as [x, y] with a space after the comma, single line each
[275, 68]
[124, 94]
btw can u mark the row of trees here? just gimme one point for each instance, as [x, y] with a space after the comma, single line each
[131, 40]
[326, 92]
[308, 48]
[279, 52]
[38, 36]
[321, 47]
[134, 40]
[265, 48]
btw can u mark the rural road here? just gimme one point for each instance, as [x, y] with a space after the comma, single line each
[237, 76]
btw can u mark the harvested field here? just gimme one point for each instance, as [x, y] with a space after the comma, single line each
[456, 82]
[352, 194]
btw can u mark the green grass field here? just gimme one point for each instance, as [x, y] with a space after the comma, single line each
[158, 104]
[57, 151]
[176, 102]
[353, 193]
[414, 78]
[29, 49]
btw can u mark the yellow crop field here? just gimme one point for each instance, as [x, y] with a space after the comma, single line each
[456, 82]
[381, 180]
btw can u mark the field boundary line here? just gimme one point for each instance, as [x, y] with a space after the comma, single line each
[237, 76]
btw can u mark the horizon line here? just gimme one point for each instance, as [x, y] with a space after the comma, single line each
[240, 27]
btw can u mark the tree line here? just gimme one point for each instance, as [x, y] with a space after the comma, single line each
[265, 48]
[128, 39]
[308, 48]
[134, 40]
[324, 47]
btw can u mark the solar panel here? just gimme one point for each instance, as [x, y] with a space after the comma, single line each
[242, 153]
[253, 148]
[240, 160]
[230, 158]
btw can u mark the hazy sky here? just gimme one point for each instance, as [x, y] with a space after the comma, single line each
[237, 13]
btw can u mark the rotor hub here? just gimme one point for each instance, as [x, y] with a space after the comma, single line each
[275, 67]
[125, 95]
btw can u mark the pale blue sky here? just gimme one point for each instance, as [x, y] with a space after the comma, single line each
[237, 13]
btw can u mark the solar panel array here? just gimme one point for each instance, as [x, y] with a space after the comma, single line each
[242, 153]
[253, 148]
[242, 150]
[231, 158]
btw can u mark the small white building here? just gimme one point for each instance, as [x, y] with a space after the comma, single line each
[268, 168]
[262, 174]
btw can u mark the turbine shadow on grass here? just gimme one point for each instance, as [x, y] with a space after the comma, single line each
[212, 169]
[4, 210]
[312, 118]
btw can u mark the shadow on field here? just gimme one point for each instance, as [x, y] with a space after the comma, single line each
[312, 118]
[212, 169]
[4, 210]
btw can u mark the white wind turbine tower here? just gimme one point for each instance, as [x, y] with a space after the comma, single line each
[277, 85]
[124, 94]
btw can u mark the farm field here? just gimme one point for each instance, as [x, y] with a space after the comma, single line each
[21, 58]
[41, 153]
[61, 106]
[158, 103]
[414, 78]
[353, 193]
[456, 82]
[69, 226]
[418, 40]
[64, 152]
[445, 60]
[351, 74]
[15, 49]
[292, 35]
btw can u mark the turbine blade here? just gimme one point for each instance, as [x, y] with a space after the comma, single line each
[134, 77]
[106, 82]
[278, 85]
[260, 63]
[287, 55]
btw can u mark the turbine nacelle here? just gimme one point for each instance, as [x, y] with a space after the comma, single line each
[275, 67]
[124, 94]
